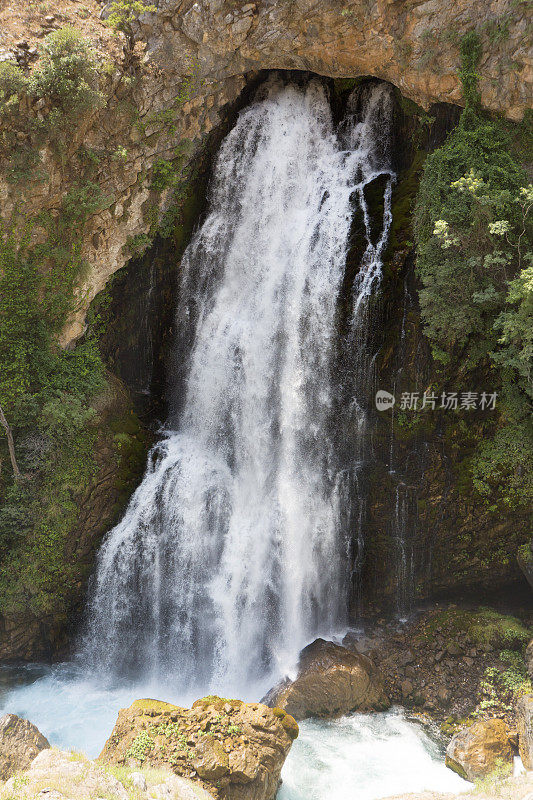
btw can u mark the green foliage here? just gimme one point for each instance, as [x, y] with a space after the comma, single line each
[68, 73]
[120, 155]
[24, 166]
[141, 746]
[124, 13]
[469, 183]
[23, 332]
[35, 575]
[515, 323]
[483, 626]
[473, 229]
[64, 417]
[470, 48]
[502, 467]
[501, 688]
[13, 83]
[79, 203]
[163, 175]
[136, 245]
[45, 392]
[234, 730]
[473, 226]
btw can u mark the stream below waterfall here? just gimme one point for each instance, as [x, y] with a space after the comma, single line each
[359, 757]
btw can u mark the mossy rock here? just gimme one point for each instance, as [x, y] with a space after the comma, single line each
[153, 708]
[216, 702]
[290, 726]
[485, 627]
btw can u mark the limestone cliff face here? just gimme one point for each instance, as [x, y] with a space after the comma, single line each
[411, 43]
[195, 58]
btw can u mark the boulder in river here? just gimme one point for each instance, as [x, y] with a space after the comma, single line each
[233, 750]
[20, 743]
[482, 748]
[331, 681]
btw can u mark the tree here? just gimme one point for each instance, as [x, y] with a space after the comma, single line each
[11, 444]
[123, 14]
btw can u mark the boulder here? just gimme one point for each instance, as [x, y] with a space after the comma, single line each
[478, 750]
[231, 749]
[211, 760]
[64, 776]
[55, 775]
[524, 718]
[407, 689]
[331, 681]
[20, 743]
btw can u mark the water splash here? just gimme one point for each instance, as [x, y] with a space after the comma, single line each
[365, 757]
[234, 550]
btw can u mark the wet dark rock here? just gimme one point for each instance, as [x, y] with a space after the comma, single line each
[406, 658]
[407, 688]
[444, 695]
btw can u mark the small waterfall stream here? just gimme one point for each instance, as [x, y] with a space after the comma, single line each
[234, 550]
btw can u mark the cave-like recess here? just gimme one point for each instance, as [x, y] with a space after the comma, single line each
[138, 334]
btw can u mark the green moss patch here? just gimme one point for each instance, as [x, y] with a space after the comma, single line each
[483, 627]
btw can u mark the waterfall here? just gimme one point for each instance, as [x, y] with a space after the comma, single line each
[235, 549]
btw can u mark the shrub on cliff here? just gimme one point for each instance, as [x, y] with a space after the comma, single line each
[471, 183]
[473, 227]
[68, 73]
[122, 15]
[12, 82]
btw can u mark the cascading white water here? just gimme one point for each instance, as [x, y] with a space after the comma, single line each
[233, 552]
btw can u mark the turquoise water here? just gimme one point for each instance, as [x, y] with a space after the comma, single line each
[359, 757]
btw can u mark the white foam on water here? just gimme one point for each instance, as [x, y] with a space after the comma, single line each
[365, 757]
[360, 757]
